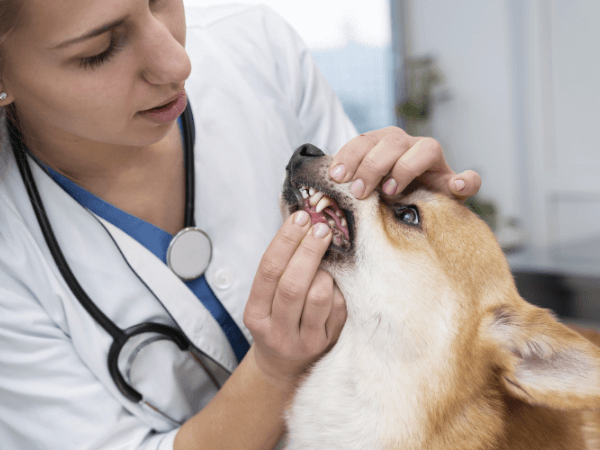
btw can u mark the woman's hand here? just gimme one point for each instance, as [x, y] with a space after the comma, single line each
[295, 312]
[392, 154]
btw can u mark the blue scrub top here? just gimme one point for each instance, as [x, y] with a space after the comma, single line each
[157, 241]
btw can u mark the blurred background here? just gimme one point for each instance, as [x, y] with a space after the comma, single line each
[511, 89]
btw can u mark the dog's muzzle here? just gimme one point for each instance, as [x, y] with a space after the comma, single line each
[307, 186]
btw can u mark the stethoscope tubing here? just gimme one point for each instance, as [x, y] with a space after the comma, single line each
[120, 336]
[189, 134]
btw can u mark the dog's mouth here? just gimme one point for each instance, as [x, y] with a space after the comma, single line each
[322, 206]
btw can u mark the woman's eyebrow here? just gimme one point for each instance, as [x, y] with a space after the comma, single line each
[96, 32]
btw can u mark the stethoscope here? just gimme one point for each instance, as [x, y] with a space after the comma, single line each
[188, 256]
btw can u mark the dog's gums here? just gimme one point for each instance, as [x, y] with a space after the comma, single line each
[318, 205]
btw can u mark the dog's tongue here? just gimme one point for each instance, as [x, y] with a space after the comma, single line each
[320, 216]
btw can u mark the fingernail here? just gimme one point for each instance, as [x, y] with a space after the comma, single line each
[460, 185]
[320, 230]
[390, 186]
[357, 188]
[301, 218]
[338, 172]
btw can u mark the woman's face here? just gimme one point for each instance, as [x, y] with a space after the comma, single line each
[89, 93]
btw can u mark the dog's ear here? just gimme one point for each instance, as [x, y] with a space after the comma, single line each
[541, 361]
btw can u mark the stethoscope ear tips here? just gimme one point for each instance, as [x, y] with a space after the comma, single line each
[189, 253]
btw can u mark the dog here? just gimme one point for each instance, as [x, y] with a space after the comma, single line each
[438, 351]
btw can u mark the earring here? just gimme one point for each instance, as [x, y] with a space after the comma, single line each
[3, 95]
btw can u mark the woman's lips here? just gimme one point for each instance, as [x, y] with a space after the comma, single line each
[166, 105]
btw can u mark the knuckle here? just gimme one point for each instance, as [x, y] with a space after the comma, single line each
[289, 291]
[432, 147]
[370, 165]
[287, 237]
[270, 269]
[249, 321]
[398, 140]
[392, 129]
[255, 327]
[320, 298]
[403, 170]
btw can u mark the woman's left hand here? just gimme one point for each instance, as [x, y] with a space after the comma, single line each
[392, 154]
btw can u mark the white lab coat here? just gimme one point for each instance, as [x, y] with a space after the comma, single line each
[256, 95]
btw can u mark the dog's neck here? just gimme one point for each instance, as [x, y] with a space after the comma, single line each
[408, 351]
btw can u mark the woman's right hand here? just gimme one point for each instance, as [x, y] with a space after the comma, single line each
[295, 311]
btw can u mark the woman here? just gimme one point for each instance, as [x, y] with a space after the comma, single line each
[112, 180]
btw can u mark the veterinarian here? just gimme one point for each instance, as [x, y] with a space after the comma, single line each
[150, 297]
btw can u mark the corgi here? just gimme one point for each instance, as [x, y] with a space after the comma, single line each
[438, 351]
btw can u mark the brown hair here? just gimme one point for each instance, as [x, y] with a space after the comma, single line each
[13, 16]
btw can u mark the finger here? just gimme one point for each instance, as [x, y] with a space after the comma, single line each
[426, 159]
[337, 316]
[296, 280]
[378, 162]
[464, 185]
[317, 307]
[352, 153]
[272, 265]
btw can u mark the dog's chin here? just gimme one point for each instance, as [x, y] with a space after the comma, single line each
[340, 220]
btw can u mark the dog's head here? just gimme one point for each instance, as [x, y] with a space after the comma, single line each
[433, 276]
[407, 246]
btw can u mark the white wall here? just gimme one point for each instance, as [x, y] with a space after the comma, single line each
[326, 24]
[471, 41]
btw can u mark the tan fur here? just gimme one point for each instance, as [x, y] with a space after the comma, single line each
[447, 337]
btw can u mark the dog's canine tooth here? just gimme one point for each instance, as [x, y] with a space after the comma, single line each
[323, 203]
[343, 222]
[311, 191]
[304, 193]
[316, 197]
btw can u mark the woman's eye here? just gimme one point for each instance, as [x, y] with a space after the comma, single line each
[116, 44]
[93, 62]
[408, 214]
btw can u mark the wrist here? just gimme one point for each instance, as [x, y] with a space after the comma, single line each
[284, 384]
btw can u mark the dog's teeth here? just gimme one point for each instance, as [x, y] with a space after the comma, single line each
[331, 222]
[316, 197]
[339, 214]
[323, 203]
[304, 193]
[344, 223]
[312, 191]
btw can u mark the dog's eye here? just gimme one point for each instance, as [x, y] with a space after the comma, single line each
[408, 214]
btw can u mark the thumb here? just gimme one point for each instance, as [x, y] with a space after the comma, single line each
[465, 184]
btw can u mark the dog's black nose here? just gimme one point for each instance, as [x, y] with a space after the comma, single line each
[302, 152]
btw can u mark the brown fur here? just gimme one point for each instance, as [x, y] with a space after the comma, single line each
[508, 414]
[479, 367]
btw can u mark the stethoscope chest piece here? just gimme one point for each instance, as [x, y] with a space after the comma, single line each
[189, 253]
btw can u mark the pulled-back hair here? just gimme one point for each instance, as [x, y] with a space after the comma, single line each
[13, 16]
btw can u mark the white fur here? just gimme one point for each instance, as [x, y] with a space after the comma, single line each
[368, 389]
